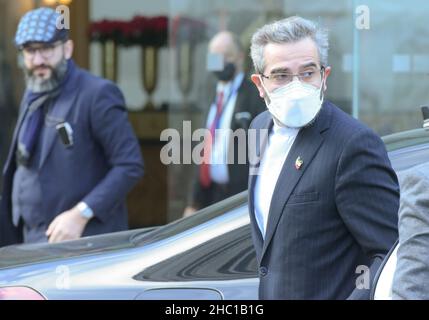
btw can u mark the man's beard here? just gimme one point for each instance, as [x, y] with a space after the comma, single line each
[37, 85]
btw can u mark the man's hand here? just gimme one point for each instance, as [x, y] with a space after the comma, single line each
[69, 225]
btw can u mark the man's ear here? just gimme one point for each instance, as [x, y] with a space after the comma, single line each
[326, 75]
[68, 49]
[256, 79]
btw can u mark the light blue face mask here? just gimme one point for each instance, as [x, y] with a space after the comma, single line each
[296, 104]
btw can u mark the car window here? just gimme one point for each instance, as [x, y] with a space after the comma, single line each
[227, 257]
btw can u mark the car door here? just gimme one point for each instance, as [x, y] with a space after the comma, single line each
[382, 288]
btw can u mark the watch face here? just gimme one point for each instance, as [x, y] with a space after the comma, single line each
[87, 213]
[84, 213]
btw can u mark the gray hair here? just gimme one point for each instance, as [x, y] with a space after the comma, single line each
[288, 30]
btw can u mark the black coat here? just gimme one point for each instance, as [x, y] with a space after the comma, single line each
[332, 217]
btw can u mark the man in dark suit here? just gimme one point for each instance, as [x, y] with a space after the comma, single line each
[235, 104]
[323, 197]
[74, 155]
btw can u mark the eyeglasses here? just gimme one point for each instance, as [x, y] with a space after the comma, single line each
[283, 78]
[46, 51]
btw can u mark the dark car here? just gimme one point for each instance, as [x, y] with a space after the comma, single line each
[206, 256]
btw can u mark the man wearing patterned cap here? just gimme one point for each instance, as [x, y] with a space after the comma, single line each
[73, 156]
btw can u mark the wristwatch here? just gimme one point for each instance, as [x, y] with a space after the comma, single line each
[85, 211]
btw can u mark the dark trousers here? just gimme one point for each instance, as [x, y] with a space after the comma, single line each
[215, 193]
[34, 234]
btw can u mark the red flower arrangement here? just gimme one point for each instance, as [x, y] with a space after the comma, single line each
[148, 31]
[106, 30]
[144, 31]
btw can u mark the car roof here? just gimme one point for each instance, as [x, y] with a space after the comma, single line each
[407, 149]
[406, 139]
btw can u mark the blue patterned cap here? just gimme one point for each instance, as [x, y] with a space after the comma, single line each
[40, 25]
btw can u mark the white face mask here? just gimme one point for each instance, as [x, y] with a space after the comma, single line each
[296, 104]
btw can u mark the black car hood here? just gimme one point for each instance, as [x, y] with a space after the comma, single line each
[16, 255]
[19, 255]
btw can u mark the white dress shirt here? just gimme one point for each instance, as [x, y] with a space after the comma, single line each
[279, 143]
[219, 154]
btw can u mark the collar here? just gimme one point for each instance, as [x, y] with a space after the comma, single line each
[284, 131]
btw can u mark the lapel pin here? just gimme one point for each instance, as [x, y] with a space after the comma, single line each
[298, 163]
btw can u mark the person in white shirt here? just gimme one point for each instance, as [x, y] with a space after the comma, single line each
[234, 105]
[323, 197]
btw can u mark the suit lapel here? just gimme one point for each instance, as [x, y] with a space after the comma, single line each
[266, 124]
[61, 108]
[306, 145]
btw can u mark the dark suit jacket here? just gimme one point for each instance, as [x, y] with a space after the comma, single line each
[335, 213]
[247, 106]
[100, 168]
